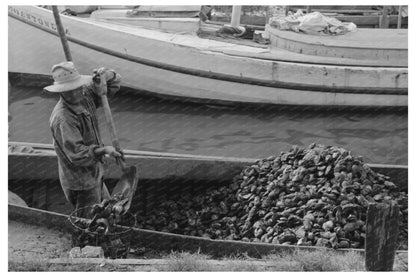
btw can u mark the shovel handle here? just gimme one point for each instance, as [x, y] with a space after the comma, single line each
[110, 122]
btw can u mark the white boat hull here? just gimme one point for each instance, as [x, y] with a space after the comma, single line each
[206, 72]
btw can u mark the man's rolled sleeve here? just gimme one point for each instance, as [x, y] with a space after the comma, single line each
[69, 140]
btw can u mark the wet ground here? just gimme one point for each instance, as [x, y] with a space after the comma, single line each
[151, 124]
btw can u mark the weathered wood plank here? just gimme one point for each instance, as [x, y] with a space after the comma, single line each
[147, 262]
[381, 236]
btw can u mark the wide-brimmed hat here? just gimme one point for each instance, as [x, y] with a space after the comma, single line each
[67, 78]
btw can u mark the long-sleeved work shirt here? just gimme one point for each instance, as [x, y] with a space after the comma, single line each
[75, 137]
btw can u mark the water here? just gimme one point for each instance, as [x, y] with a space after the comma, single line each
[151, 124]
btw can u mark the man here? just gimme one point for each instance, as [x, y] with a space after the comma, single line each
[75, 133]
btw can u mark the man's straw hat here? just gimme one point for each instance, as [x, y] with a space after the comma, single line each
[67, 78]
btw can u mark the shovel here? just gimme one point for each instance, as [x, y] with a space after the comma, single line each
[126, 186]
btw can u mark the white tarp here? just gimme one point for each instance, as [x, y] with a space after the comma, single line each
[312, 23]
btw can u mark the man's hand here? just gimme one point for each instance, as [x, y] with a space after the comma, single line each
[102, 71]
[108, 150]
[100, 84]
[100, 77]
[106, 81]
[111, 151]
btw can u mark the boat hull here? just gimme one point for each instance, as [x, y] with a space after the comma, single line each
[34, 176]
[210, 71]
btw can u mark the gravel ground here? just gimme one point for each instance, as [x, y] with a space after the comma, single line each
[29, 242]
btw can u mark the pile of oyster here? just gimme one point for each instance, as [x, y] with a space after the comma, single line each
[315, 196]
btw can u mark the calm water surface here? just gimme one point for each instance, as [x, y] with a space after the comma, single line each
[150, 124]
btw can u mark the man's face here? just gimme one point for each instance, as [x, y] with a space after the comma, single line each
[74, 96]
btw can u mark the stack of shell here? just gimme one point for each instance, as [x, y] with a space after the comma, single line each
[315, 196]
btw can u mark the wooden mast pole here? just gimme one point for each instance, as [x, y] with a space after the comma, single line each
[61, 33]
[235, 16]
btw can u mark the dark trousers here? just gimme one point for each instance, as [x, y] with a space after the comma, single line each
[86, 198]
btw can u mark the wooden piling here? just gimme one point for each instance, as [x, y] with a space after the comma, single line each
[382, 230]
[399, 18]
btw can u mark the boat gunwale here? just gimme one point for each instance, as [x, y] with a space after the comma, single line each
[138, 153]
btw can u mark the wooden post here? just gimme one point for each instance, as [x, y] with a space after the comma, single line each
[286, 10]
[235, 16]
[382, 230]
[308, 9]
[268, 14]
[384, 20]
[399, 18]
[61, 33]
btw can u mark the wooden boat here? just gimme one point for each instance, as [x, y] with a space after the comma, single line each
[185, 66]
[33, 176]
[158, 172]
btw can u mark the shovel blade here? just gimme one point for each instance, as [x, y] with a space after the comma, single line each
[126, 186]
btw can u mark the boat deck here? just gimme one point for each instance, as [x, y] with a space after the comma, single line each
[238, 47]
